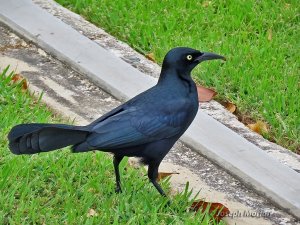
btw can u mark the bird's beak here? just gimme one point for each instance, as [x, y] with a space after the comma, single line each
[209, 56]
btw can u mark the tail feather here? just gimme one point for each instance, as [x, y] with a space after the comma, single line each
[22, 129]
[35, 138]
[82, 147]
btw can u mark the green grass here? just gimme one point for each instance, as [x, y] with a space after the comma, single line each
[259, 38]
[61, 188]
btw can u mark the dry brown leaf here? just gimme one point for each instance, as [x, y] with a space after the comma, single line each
[205, 94]
[259, 127]
[162, 175]
[19, 78]
[270, 34]
[151, 56]
[92, 213]
[219, 208]
[230, 107]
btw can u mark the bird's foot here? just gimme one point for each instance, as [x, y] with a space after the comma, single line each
[118, 190]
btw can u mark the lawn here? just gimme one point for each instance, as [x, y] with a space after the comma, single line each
[65, 188]
[259, 38]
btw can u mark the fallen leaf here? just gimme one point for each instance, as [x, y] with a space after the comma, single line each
[205, 94]
[245, 119]
[162, 175]
[269, 34]
[151, 56]
[230, 107]
[219, 209]
[259, 127]
[19, 78]
[92, 213]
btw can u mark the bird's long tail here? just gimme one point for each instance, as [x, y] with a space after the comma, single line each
[34, 138]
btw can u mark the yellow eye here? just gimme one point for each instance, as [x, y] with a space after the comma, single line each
[189, 57]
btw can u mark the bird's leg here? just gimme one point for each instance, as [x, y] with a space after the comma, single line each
[152, 175]
[117, 160]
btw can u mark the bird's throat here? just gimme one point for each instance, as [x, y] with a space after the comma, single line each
[182, 82]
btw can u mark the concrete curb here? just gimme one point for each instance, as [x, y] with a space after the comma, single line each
[212, 139]
[126, 53]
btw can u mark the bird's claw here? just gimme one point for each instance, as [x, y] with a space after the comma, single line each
[118, 190]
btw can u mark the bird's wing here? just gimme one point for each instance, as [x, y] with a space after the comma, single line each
[107, 115]
[134, 126]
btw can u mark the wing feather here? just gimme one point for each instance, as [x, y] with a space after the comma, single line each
[134, 126]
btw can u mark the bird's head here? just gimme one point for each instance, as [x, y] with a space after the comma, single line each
[185, 59]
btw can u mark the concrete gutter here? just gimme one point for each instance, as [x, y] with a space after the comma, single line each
[212, 139]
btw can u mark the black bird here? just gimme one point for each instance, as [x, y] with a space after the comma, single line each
[147, 126]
